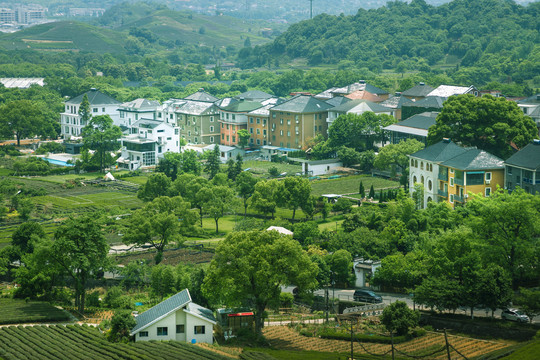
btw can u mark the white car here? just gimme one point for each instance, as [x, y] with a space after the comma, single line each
[514, 315]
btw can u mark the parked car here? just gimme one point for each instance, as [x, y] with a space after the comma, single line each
[367, 296]
[514, 315]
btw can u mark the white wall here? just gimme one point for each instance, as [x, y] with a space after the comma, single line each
[191, 322]
[322, 169]
[169, 322]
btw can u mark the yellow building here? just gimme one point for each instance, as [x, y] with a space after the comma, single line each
[474, 171]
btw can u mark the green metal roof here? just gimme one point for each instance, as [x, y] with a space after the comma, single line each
[95, 97]
[420, 121]
[474, 159]
[528, 157]
[161, 310]
[439, 152]
[303, 104]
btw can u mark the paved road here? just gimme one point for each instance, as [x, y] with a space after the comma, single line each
[388, 298]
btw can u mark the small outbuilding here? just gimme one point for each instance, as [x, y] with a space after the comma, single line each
[177, 318]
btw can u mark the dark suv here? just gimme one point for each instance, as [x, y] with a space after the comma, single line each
[367, 296]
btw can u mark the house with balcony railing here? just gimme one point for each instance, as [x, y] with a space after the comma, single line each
[523, 169]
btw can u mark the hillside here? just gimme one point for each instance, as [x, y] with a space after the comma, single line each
[417, 36]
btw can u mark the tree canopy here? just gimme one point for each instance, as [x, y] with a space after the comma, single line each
[102, 136]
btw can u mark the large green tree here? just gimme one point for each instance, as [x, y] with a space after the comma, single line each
[293, 193]
[212, 162]
[245, 187]
[491, 124]
[102, 136]
[80, 250]
[21, 118]
[358, 132]
[157, 185]
[249, 268]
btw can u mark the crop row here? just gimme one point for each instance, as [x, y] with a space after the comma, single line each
[87, 343]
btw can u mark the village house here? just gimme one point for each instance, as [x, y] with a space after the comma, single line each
[132, 111]
[417, 92]
[233, 117]
[395, 103]
[523, 169]
[357, 107]
[416, 127]
[71, 123]
[177, 318]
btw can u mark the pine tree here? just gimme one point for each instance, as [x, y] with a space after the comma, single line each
[84, 110]
[212, 163]
[239, 165]
[371, 192]
[381, 196]
[362, 191]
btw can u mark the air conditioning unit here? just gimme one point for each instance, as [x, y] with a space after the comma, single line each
[487, 182]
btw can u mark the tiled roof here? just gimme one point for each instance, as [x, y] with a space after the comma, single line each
[262, 111]
[200, 311]
[192, 107]
[326, 94]
[338, 100]
[428, 102]
[162, 309]
[420, 90]
[363, 95]
[360, 106]
[420, 121]
[441, 151]
[361, 85]
[535, 99]
[303, 104]
[254, 95]
[396, 102]
[528, 157]
[95, 97]
[449, 90]
[201, 96]
[474, 159]
[140, 104]
[242, 106]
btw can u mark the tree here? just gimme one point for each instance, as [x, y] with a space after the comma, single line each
[293, 192]
[529, 300]
[21, 118]
[362, 190]
[340, 263]
[25, 235]
[371, 192]
[121, 324]
[264, 197]
[396, 154]
[212, 162]
[160, 222]
[85, 112]
[102, 136]
[157, 185]
[80, 249]
[222, 200]
[348, 156]
[249, 268]
[245, 187]
[489, 123]
[399, 318]
[358, 132]
[243, 137]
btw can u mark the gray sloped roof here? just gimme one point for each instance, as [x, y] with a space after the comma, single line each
[396, 102]
[419, 90]
[95, 97]
[192, 107]
[474, 159]
[428, 102]
[420, 121]
[254, 95]
[200, 311]
[528, 157]
[202, 96]
[338, 100]
[361, 85]
[439, 152]
[161, 310]
[535, 99]
[361, 105]
[242, 106]
[450, 90]
[303, 104]
[147, 123]
[140, 104]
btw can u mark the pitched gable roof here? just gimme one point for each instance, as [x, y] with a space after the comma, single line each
[528, 157]
[254, 95]
[435, 102]
[474, 159]
[193, 107]
[535, 99]
[303, 104]
[202, 96]
[363, 95]
[362, 86]
[338, 100]
[95, 97]
[418, 124]
[161, 310]
[396, 102]
[420, 90]
[140, 104]
[360, 106]
[242, 106]
[439, 152]
[449, 90]
[200, 312]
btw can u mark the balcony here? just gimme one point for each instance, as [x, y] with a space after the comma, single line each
[458, 181]
[442, 193]
[443, 176]
[459, 198]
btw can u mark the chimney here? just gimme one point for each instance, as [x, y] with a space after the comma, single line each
[421, 83]
[446, 140]
[537, 96]
[398, 93]
[93, 89]
[361, 81]
[536, 142]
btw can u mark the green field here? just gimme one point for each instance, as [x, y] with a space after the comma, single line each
[261, 167]
[86, 342]
[16, 311]
[350, 184]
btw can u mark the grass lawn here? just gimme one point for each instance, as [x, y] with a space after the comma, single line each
[14, 311]
[350, 184]
[261, 167]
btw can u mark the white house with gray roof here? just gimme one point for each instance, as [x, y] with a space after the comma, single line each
[177, 318]
[132, 111]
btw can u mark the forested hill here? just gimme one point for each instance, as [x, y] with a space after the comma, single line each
[496, 34]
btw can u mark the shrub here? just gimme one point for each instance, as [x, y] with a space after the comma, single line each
[273, 171]
[121, 324]
[399, 318]
[92, 299]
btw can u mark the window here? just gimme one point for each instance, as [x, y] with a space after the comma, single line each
[122, 114]
[211, 119]
[475, 179]
[264, 121]
[430, 185]
[95, 110]
[273, 115]
[264, 132]
[488, 192]
[222, 136]
[488, 177]
[251, 130]
[180, 329]
[421, 165]
[288, 121]
[251, 120]
[102, 109]
[451, 181]
[251, 140]
[258, 142]
[258, 120]
[211, 139]
[281, 132]
[258, 131]
[288, 133]
[234, 139]
[227, 126]
[451, 171]
[160, 131]
[211, 129]
[281, 121]
[162, 331]
[143, 334]
[233, 117]
[296, 118]
[509, 170]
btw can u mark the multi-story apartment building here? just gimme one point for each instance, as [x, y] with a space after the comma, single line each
[297, 120]
[449, 173]
[233, 117]
[100, 104]
[523, 169]
[258, 122]
[198, 121]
